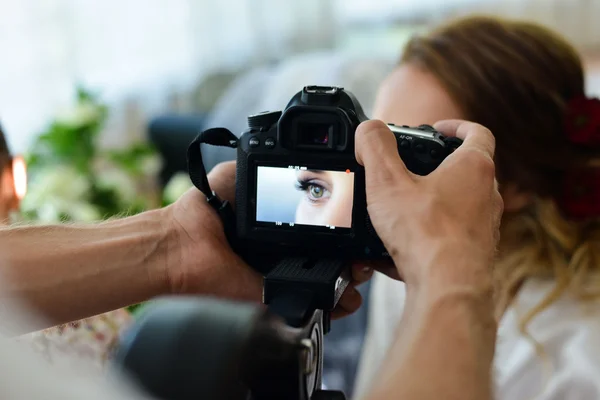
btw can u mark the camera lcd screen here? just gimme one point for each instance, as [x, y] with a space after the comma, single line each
[297, 195]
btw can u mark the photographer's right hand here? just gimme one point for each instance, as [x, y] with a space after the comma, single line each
[442, 227]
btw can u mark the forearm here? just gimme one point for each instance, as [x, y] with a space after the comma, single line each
[69, 272]
[445, 344]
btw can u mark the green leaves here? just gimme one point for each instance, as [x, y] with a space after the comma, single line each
[71, 137]
[74, 179]
[129, 159]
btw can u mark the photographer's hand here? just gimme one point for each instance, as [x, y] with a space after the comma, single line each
[209, 266]
[441, 231]
[67, 272]
[413, 215]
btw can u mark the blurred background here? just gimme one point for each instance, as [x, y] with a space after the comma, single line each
[103, 97]
[134, 80]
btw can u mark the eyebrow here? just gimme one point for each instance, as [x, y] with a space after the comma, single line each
[316, 171]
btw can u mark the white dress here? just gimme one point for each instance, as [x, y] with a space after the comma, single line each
[568, 330]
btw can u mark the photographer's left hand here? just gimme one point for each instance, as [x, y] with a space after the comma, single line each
[205, 263]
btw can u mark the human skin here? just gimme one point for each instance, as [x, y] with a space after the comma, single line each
[73, 271]
[328, 198]
[442, 245]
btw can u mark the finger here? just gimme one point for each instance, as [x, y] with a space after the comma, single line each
[377, 150]
[350, 301]
[222, 180]
[499, 203]
[361, 273]
[498, 211]
[474, 136]
[339, 313]
[216, 278]
[385, 267]
[389, 270]
[249, 282]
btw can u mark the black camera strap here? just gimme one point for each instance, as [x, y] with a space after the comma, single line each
[214, 137]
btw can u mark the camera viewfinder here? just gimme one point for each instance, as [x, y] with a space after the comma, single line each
[314, 134]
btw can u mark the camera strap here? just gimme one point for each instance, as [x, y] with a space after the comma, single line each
[214, 137]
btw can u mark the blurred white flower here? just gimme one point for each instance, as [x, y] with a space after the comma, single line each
[81, 114]
[177, 186]
[59, 181]
[151, 165]
[55, 208]
[120, 181]
[59, 191]
[84, 212]
[48, 212]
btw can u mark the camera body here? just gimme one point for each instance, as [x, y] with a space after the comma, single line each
[300, 191]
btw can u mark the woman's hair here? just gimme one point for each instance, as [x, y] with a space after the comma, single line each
[516, 78]
[4, 151]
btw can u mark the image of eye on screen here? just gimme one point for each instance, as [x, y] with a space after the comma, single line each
[298, 195]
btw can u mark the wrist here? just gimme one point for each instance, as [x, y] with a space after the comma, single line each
[449, 264]
[188, 252]
[453, 296]
[450, 273]
[450, 327]
[167, 249]
[433, 296]
[466, 314]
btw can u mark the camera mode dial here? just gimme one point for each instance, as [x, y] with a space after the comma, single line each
[263, 120]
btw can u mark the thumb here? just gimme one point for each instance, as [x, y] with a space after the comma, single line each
[376, 149]
[222, 180]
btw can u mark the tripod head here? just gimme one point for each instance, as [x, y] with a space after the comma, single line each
[194, 347]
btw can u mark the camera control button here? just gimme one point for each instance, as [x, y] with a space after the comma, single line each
[269, 142]
[404, 144]
[253, 142]
[420, 148]
[435, 153]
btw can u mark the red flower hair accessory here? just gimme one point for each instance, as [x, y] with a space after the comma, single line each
[581, 186]
[582, 121]
[581, 193]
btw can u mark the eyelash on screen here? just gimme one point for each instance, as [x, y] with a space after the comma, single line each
[303, 185]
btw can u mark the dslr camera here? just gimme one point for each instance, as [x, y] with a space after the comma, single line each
[300, 191]
[300, 219]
